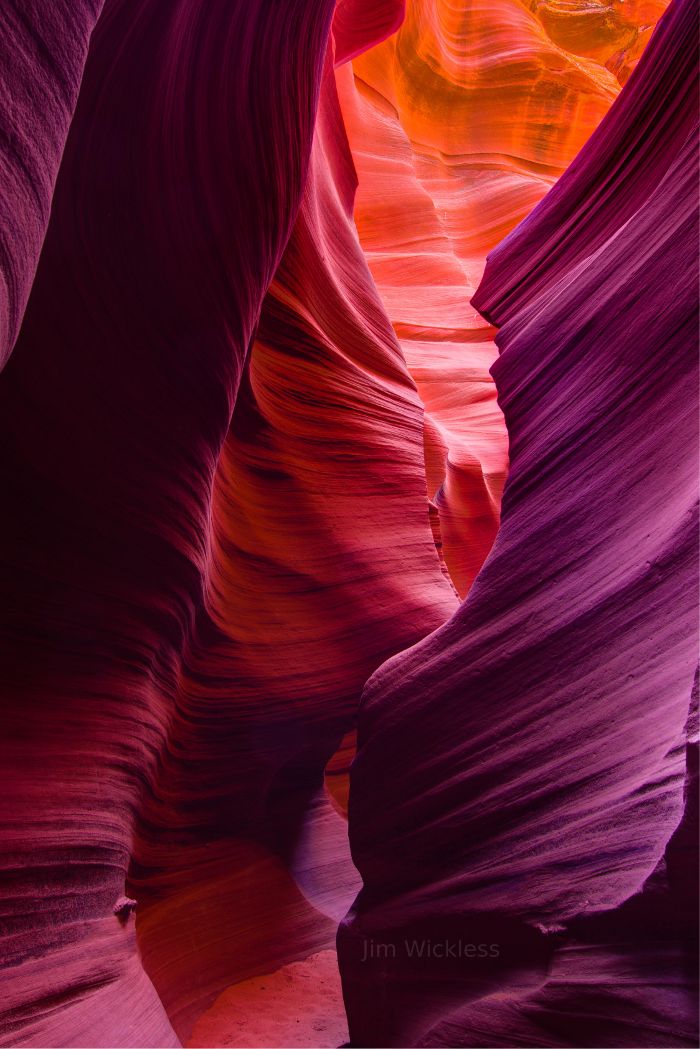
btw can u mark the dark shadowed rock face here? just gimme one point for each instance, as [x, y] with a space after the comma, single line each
[192, 599]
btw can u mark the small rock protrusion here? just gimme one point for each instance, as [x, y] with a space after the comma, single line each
[123, 908]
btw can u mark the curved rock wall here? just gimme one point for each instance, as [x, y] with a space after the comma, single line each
[459, 124]
[251, 447]
[521, 771]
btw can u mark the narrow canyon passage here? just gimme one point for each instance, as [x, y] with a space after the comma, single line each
[459, 124]
[428, 210]
[266, 514]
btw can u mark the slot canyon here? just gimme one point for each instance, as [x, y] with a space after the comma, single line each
[349, 542]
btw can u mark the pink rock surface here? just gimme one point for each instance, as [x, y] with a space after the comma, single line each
[520, 773]
[244, 439]
[192, 602]
[44, 48]
[459, 124]
[299, 1005]
[169, 217]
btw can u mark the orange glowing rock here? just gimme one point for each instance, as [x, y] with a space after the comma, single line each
[458, 125]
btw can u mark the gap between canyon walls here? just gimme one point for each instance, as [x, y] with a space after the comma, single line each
[322, 566]
[328, 440]
[459, 124]
[450, 151]
[194, 607]
[544, 766]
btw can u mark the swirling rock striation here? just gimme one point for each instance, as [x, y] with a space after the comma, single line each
[320, 525]
[459, 124]
[219, 526]
[41, 65]
[613, 178]
[179, 185]
[520, 773]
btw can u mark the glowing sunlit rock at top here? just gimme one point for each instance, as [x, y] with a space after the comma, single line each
[459, 124]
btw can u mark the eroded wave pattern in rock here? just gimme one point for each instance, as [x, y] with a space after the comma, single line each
[255, 438]
[521, 862]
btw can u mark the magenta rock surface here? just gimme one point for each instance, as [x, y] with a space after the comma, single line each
[179, 185]
[45, 43]
[217, 525]
[520, 772]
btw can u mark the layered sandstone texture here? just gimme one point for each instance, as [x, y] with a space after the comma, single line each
[542, 797]
[253, 454]
[459, 124]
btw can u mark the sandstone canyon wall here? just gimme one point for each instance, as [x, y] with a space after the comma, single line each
[538, 744]
[254, 452]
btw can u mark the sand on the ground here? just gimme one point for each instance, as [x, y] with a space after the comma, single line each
[299, 1005]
